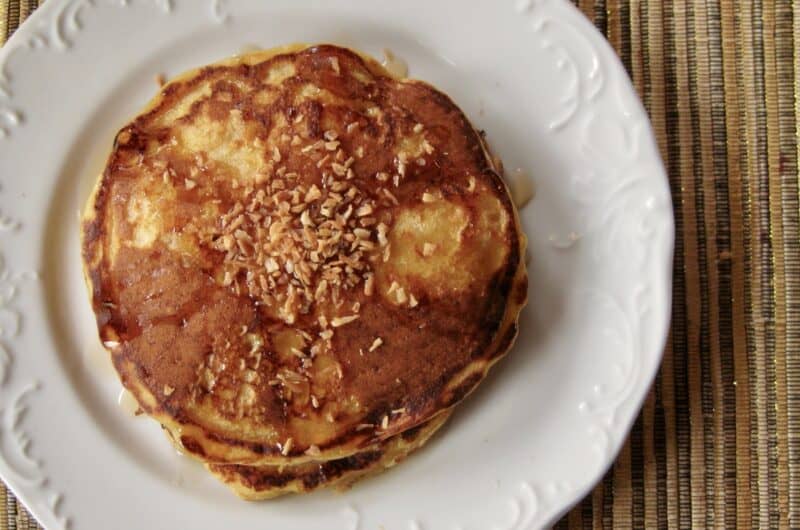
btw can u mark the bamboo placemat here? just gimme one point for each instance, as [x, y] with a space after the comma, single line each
[718, 441]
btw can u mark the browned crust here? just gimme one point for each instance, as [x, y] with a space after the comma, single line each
[263, 482]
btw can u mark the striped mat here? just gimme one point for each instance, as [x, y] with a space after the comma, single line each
[718, 441]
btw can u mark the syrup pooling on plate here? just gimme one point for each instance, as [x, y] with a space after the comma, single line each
[521, 186]
[128, 403]
[396, 66]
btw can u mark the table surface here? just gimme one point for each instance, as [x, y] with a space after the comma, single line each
[718, 440]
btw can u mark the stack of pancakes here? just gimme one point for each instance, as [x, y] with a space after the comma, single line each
[300, 264]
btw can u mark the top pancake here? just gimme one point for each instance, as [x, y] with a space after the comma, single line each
[293, 255]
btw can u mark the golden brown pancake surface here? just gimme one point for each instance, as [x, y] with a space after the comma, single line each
[294, 255]
[266, 482]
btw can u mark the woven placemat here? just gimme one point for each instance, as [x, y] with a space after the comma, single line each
[718, 441]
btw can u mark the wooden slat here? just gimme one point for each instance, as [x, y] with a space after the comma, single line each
[752, 82]
[778, 276]
[793, 282]
[714, 441]
[690, 458]
[737, 193]
[657, 75]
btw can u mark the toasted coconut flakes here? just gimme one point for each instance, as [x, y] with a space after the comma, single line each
[382, 176]
[236, 223]
[421, 162]
[428, 197]
[428, 249]
[369, 284]
[332, 145]
[364, 426]
[418, 128]
[296, 140]
[341, 321]
[313, 193]
[271, 265]
[335, 65]
[390, 196]
[321, 290]
[364, 210]
[276, 154]
[427, 147]
[376, 344]
[330, 134]
[322, 161]
[385, 422]
[189, 183]
[362, 233]
[360, 151]
[329, 417]
[471, 184]
[401, 295]
[347, 213]
[168, 390]
[352, 126]
[382, 230]
[313, 450]
[412, 300]
[287, 446]
[294, 244]
[326, 334]
[314, 401]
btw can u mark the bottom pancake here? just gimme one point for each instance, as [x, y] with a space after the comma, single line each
[265, 482]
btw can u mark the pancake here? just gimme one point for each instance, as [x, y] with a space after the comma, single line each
[266, 482]
[293, 256]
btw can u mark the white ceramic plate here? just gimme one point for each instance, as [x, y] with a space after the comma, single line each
[522, 449]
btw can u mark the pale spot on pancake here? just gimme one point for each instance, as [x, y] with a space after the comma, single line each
[226, 141]
[281, 72]
[439, 248]
[203, 91]
[146, 212]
